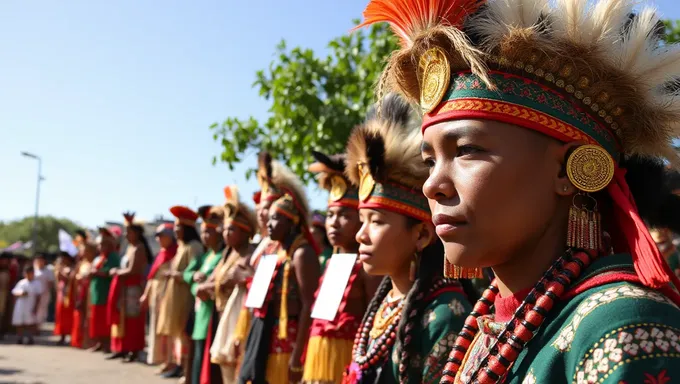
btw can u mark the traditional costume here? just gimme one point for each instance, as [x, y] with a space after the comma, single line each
[63, 308]
[81, 286]
[203, 309]
[273, 332]
[383, 160]
[177, 302]
[229, 298]
[99, 326]
[593, 73]
[8, 278]
[159, 348]
[124, 309]
[329, 350]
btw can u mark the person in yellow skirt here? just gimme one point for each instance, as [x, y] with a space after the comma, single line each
[280, 326]
[329, 349]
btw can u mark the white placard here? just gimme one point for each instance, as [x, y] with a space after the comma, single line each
[333, 286]
[261, 279]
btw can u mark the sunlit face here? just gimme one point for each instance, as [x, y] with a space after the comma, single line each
[164, 240]
[342, 224]
[210, 236]
[179, 231]
[263, 214]
[492, 188]
[235, 236]
[278, 225]
[386, 243]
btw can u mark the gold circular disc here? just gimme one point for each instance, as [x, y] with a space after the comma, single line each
[366, 185]
[590, 168]
[434, 80]
[338, 188]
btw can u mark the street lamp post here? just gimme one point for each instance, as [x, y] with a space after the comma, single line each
[37, 199]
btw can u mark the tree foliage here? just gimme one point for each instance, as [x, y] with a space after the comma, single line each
[48, 229]
[315, 100]
[672, 31]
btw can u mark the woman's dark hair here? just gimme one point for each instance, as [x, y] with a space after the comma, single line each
[189, 234]
[430, 270]
[142, 239]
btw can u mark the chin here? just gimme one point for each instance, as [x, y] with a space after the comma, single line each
[370, 269]
[462, 256]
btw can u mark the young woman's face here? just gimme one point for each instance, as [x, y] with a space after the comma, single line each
[263, 214]
[234, 236]
[493, 188]
[131, 235]
[342, 225]
[279, 226]
[164, 240]
[386, 242]
[179, 231]
[210, 236]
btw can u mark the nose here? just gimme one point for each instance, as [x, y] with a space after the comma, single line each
[362, 236]
[439, 185]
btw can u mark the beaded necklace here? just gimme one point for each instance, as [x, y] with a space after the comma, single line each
[383, 343]
[521, 328]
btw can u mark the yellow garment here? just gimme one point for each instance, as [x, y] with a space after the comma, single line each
[243, 325]
[177, 300]
[326, 359]
[277, 368]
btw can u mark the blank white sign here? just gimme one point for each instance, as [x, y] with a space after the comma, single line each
[263, 276]
[333, 286]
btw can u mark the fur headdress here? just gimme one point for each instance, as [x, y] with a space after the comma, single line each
[212, 216]
[280, 185]
[591, 72]
[383, 160]
[331, 178]
[237, 213]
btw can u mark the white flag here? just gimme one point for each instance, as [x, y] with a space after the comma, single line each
[66, 243]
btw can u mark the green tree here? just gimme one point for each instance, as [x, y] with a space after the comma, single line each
[315, 101]
[48, 229]
[672, 31]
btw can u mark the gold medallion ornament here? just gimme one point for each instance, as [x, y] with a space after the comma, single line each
[366, 183]
[434, 80]
[338, 188]
[590, 168]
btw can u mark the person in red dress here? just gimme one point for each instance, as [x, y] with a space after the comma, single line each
[63, 310]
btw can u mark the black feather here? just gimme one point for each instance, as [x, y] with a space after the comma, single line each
[375, 153]
[264, 159]
[395, 110]
[204, 210]
[334, 162]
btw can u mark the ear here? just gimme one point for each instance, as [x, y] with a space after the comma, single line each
[425, 234]
[563, 186]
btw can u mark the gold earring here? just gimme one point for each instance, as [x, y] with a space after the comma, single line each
[455, 272]
[413, 270]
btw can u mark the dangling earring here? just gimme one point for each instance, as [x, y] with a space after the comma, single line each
[590, 168]
[455, 272]
[584, 230]
[413, 270]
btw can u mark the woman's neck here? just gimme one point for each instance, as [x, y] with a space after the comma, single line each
[288, 241]
[529, 263]
[401, 284]
[354, 248]
[215, 247]
[242, 249]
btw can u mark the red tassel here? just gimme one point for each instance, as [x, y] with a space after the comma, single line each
[649, 264]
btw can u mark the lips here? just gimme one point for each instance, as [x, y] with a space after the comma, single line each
[364, 255]
[446, 225]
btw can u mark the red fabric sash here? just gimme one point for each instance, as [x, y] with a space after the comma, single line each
[164, 256]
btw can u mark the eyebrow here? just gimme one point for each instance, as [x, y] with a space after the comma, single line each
[453, 134]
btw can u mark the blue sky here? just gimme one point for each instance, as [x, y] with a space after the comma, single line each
[117, 97]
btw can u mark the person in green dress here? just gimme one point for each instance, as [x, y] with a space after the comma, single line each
[416, 312]
[196, 274]
[319, 231]
[100, 282]
[545, 129]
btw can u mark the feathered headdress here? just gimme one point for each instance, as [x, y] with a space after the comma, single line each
[129, 219]
[281, 185]
[592, 72]
[383, 160]
[238, 213]
[331, 178]
[212, 216]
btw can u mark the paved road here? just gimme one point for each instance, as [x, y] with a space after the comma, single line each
[47, 363]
